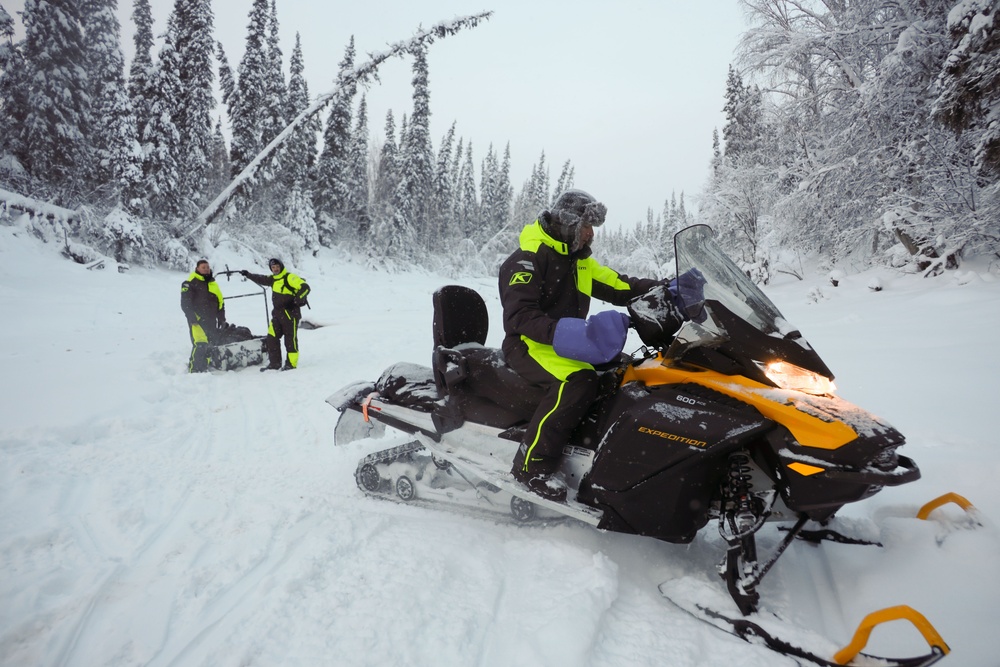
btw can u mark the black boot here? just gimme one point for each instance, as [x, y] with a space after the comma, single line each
[544, 484]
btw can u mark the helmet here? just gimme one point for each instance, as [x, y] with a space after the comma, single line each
[572, 210]
[274, 260]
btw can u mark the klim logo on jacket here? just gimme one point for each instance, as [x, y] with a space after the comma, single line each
[521, 278]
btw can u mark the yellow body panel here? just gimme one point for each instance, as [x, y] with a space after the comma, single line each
[808, 430]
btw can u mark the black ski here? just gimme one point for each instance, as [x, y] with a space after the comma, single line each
[767, 629]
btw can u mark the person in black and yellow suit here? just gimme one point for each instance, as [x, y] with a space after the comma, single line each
[288, 295]
[545, 288]
[202, 303]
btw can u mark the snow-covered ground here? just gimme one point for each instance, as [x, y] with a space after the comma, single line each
[152, 517]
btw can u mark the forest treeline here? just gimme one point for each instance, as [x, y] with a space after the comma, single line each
[860, 133]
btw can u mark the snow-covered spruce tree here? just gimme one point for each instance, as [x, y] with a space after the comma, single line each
[227, 82]
[13, 104]
[194, 109]
[565, 180]
[298, 158]
[299, 219]
[534, 196]
[300, 150]
[504, 229]
[495, 194]
[439, 218]
[142, 68]
[968, 103]
[160, 137]
[487, 193]
[53, 137]
[384, 185]
[275, 98]
[117, 158]
[497, 200]
[332, 182]
[394, 231]
[454, 172]
[467, 218]
[738, 202]
[247, 103]
[969, 81]
[417, 175]
[357, 177]
[220, 173]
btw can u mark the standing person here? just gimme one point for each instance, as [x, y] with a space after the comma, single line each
[288, 295]
[545, 289]
[202, 303]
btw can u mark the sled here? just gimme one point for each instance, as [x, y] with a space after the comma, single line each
[237, 347]
[732, 419]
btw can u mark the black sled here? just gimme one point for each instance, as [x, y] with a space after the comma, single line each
[730, 419]
[236, 347]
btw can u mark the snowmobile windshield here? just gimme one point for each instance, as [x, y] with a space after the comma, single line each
[700, 257]
[727, 312]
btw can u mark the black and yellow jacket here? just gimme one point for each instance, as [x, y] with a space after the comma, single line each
[202, 302]
[288, 291]
[542, 282]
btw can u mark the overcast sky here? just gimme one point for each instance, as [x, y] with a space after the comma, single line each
[628, 90]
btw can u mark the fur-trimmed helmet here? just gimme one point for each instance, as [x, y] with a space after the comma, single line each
[572, 210]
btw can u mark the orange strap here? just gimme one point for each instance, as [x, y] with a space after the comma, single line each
[365, 404]
[864, 631]
[944, 500]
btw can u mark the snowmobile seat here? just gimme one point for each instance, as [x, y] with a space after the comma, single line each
[460, 316]
[409, 385]
[479, 384]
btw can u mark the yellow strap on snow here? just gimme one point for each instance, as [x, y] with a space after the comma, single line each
[926, 510]
[900, 612]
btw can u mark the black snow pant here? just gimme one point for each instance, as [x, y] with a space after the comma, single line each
[201, 347]
[562, 408]
[284, 324]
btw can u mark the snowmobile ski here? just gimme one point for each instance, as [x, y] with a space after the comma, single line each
[765, 628]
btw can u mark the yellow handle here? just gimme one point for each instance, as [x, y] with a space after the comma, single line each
[864, 631]
[943, 500]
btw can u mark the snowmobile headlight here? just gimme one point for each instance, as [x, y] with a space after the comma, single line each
[790, 376]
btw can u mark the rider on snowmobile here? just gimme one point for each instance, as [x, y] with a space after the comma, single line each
[545, 289]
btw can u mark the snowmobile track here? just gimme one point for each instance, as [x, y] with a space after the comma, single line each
[376, 480]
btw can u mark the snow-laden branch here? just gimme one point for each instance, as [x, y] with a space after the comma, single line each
[359, 75]
[12, 200]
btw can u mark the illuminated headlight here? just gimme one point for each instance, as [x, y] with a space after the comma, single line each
[790, 376]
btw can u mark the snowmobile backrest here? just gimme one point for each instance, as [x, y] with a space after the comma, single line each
[460, 316]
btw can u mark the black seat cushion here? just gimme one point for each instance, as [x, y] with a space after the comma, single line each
[460, 316]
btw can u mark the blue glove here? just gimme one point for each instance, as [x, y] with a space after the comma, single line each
[688, 290]
[596, 340]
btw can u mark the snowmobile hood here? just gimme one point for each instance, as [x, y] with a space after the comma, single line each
[534, 236]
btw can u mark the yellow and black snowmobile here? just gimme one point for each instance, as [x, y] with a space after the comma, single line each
[732, 418]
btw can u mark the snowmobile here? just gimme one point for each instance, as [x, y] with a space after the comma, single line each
[237, 347]
[731, 418]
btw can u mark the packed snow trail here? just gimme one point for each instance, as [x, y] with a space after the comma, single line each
[148, 516]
